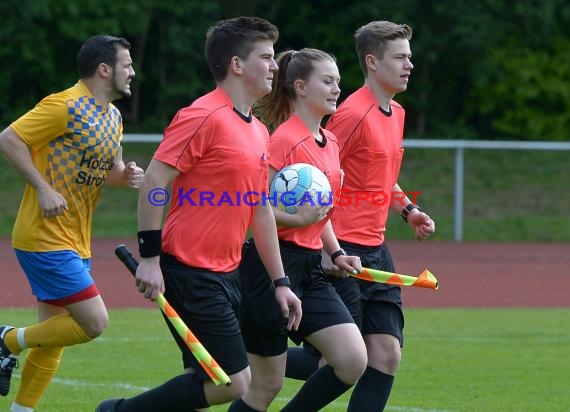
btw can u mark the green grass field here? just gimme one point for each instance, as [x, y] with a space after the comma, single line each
[454, 360]
[509, 195]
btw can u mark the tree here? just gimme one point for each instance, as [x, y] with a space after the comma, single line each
[484, 69]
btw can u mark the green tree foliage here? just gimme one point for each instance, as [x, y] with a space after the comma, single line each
[527, 92]
[518, 71]
[484, 69]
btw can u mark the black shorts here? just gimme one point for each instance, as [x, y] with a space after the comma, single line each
[375, 307]
[263, 326]
[208, 303]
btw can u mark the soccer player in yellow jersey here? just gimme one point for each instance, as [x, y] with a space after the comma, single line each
[66, 148]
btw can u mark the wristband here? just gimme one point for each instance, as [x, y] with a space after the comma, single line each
[337, 254]
[406, 211]
[150, 243]
[284, 281]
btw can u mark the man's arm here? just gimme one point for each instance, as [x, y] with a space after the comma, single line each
[149, 276]
[18, 154]
[420, 222]
[122, 174]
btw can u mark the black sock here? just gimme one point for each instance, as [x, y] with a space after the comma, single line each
[371, 392]
[301, 363]
[182, 393]
[241, 406]
[321, 388]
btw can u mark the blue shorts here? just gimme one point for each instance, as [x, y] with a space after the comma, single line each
[60, 277]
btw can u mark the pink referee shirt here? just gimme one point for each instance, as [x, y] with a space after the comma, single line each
[221, 156]
[292, 142]
[370, 155]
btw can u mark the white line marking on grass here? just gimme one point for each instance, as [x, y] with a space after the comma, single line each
[344, 405]
[76, 383]
[81, 383]
[123, 385]
[413, 409]
[134, 339]
[540, 340]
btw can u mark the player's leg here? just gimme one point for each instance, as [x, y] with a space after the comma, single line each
[383, 324]
[384, 351]
[328, 326]
[343, 349]
[384, 355]
[264, 331]
[208, 302]
[332, 380]
[267, 373]
[303, 361]
[47, 340]
[82, 322]
[40, 366]
[60, 279]
[70, 312]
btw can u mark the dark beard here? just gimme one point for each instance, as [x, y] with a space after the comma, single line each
[121, 92]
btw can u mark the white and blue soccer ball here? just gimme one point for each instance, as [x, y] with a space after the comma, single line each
[299, 184]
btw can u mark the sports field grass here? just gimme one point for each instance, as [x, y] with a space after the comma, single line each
[454, 360]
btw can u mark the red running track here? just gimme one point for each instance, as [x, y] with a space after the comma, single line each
[469, 274]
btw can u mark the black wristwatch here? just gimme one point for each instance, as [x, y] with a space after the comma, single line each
[406, 211]
[284, 281]
[336, 254]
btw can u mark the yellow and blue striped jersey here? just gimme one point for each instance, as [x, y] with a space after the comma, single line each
[74, 142]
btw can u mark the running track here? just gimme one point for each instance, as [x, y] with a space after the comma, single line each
[469, 274]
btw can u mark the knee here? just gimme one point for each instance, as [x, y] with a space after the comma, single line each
[262, 391]
[236, 391]
[352, 365]
[96, 325]
[240, 384]
[392, 361]
[268, 388]
[386, 360]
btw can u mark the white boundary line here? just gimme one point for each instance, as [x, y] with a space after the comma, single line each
[123, 385]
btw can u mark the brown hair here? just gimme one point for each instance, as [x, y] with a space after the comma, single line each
[235, 37]
[373, 37]
[276, 107]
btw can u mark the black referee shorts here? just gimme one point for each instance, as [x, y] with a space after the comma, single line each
[375, 307]
[263, 327]
[208, 302]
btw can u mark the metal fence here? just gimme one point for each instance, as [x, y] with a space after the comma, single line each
[459, 146]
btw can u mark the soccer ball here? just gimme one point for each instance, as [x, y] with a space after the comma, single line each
[299, 184]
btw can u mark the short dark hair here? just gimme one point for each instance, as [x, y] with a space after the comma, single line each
[372, 38]
[98, 49]
[235, 37]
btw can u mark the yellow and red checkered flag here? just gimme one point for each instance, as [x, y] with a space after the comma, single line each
[425, 280]
[208, 363]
